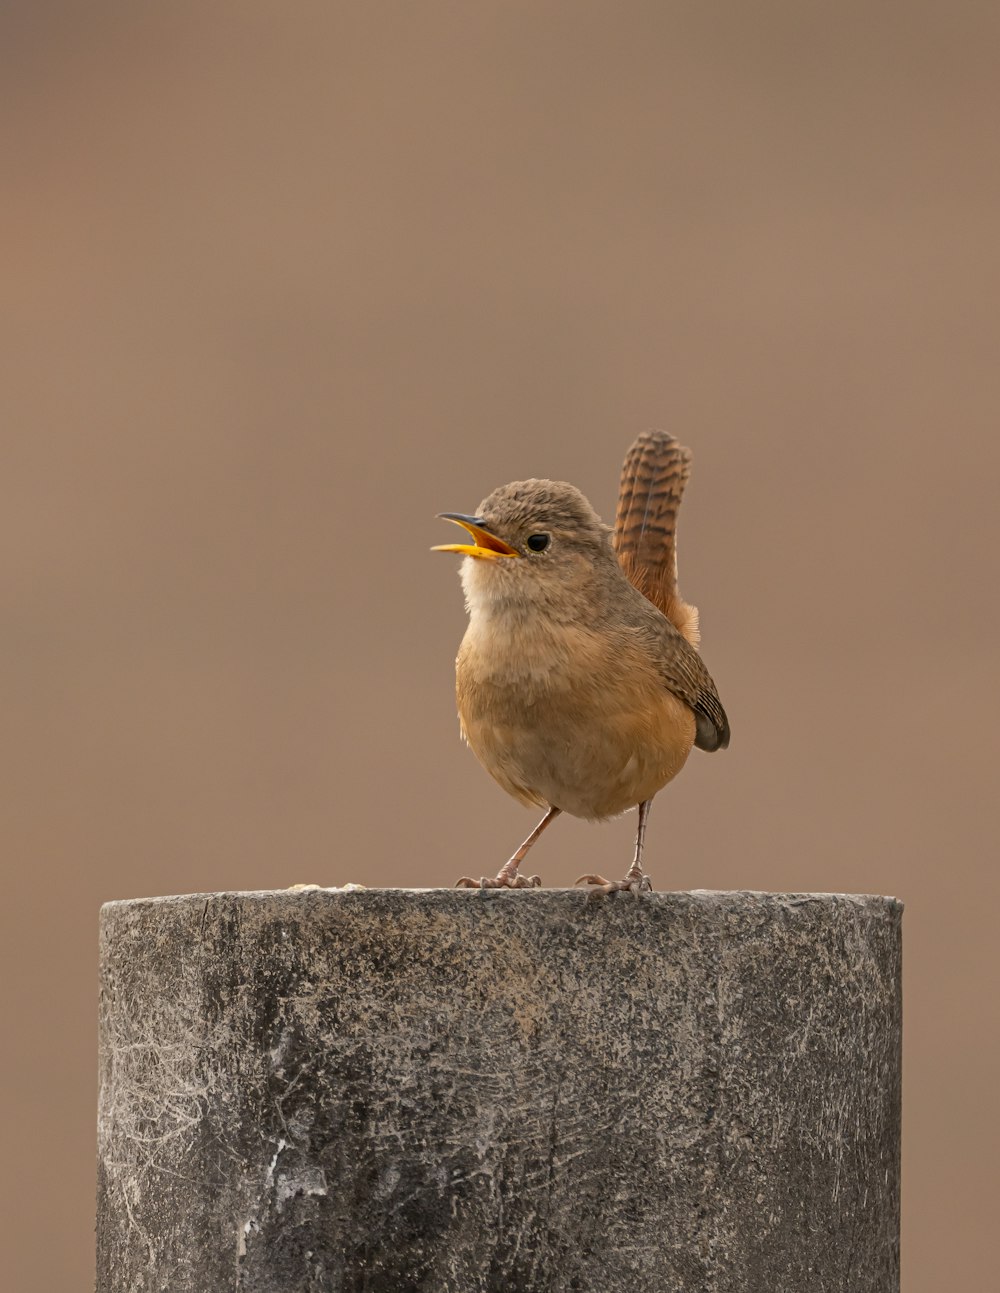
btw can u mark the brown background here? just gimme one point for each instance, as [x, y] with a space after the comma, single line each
[280, 282]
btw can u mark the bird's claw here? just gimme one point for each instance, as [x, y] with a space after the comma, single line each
[636, 883]
[500, 881]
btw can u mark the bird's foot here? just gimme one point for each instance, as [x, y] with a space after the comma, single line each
[636, 881]
[504, 879]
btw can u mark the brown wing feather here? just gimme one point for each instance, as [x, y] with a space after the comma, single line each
[654, 474]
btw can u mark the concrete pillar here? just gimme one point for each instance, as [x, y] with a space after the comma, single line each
[453, 1091]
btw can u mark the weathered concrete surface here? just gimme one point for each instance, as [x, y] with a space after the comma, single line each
[395, 1090]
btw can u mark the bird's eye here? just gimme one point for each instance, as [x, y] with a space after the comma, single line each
[538, 542]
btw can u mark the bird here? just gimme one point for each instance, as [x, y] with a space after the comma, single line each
[579, 682]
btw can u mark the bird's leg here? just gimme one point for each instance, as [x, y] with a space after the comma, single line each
[636, 881]
[507, 877]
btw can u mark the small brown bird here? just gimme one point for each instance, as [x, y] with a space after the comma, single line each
[579, 685]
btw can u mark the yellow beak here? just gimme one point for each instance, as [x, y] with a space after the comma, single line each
[486, 545]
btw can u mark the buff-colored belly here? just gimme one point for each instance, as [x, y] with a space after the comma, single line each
[593, 734]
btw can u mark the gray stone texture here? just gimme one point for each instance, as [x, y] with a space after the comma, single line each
[394, 1090]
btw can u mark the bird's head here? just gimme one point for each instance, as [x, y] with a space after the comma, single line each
[534, 541]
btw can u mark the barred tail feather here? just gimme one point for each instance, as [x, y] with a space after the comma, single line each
[654, 474]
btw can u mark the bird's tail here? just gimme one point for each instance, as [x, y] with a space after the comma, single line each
[654, 474]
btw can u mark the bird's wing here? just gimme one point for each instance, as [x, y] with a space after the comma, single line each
[683, 672]
[654, 474]
[686, 676]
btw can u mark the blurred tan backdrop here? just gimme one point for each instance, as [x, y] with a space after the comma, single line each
[282, 281]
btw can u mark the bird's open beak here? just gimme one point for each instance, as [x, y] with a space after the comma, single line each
[486, 544]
